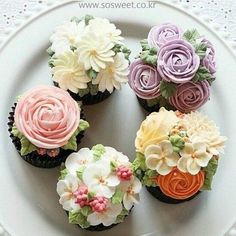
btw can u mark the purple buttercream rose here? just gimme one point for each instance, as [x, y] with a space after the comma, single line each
[160, 35]
[144, 79]
[209, 60]
[190, 96]
[177, 61]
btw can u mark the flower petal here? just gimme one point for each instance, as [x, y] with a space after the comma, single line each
[192, 166]
[182, 164]
[152, 162]
[152, 149]
[94, 219]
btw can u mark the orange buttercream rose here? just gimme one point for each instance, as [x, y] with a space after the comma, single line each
[180, 185]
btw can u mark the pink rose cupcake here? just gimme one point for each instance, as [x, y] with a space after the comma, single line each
[46, 126]
[174, 69]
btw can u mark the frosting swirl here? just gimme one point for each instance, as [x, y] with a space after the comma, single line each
[180, 185]
[160, 35]
[209, 60]
[144, 79]
[177, 61]
[47, 116]
[190, 96]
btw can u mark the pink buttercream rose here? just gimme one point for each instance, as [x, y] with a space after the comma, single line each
[47, 116]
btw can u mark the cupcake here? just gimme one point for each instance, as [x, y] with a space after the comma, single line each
[97, 188]
[175, 69]
[177, 154]
[88, 58]
[46, 125]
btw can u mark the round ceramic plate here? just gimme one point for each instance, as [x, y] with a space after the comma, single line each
[28, 199]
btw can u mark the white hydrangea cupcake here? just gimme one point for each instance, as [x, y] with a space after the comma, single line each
[97, 188]
[88, 58]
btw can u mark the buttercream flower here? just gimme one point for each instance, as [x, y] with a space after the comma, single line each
[155, 129]
[66, 36]
[66, 189]
[193, 157]
[179, 185]
[79, 159]
[47, 116]
[68, 73]
[209, 60]
[190, 96]
[99, 179]
[116, 157]
[106, 217]
[95, 51]
[160, 35]
[104, 27]
[115, 74]
[161, 157]
[200, 127]
[144, 79]
[177, 61]
[131, 191]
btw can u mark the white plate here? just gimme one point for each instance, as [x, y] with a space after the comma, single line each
[28, 199]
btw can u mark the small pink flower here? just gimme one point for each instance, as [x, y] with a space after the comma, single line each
[124, 173]
[81, 196]
[53, 152]
[41, 151]
[99, 204]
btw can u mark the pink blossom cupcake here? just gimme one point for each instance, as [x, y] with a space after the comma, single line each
[174, 69]
[46, 125]
[97, 188]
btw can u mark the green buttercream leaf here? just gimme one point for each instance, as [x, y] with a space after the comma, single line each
[63, 174]
[149, 178]
[139, 174]
[148, 54]
[73, 48]
[50, 63]
[113, 166]
[201, 49]
[80, 172]
[50, 52]
[117, 48]
[152, 102]
[98, 151]
[76, 19]
[91, 195]
[167, 89]
[26, 146]
[203, 74]
[191, 35]
[126, 52]
[139, 162]
[177, 142]
[83, 125]
[78, 218]
[72, 143]
[144, 44]
[86, 210]
[120, 218]
[210, 171]
[92, 74]
[83, 92]
[87, 18]
[117, 197]
[16, 132]
[93, 88]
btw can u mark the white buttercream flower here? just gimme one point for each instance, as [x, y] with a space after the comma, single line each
[107, 217]
[131, 191]
[95, 51]
[78, 159]
[113, 75]
[117, 157]
[161, 157]
[193, 157]
[68, 73]
[65, 189]
[199, 127]
[99, 178]
[67, 35]
[104, 27]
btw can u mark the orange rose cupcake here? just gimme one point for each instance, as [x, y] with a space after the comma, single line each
[177, 154]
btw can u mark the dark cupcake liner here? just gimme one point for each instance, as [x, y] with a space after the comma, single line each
[101, 227]
[158, 194]
[89, 99]
[42, 161]
[144, 104]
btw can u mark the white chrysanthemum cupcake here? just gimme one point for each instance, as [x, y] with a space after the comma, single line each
[97, 188]
[88, 58]
[177, 154]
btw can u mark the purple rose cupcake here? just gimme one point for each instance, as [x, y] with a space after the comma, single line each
[175, 69]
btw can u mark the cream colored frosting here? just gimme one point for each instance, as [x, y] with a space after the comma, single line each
[47, 116]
